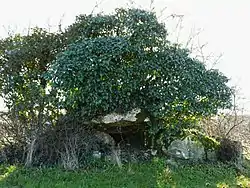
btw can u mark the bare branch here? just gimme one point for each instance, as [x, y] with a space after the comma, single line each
[97, 4]
[191, 37]
[131, 3]
[60, 23]
[151, 6]
[162, 12]
[216, 61]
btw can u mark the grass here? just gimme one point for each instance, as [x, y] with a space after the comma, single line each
[147, 175]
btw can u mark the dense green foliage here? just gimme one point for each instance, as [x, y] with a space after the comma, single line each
[23, 61]
[129, 63]
[153, 174]
[109, 63]
[124, 61]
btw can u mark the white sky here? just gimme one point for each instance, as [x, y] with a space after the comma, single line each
[225, 25]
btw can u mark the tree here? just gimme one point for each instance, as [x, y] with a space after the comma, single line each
[123, 61]
[23, 61]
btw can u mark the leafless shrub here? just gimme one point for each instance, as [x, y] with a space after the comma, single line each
[11, 130]
[70, 156]
[230, 151]
[226, 123]
[232, 129]
[69, 143]
[13, 139]
[19, 140]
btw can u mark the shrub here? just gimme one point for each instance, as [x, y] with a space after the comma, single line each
[230, 151]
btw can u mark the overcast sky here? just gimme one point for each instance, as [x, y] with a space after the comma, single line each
[224, 24]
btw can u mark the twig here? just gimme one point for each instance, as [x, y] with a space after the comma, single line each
[97, 4]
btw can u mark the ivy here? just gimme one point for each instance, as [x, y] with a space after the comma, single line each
[111, 63]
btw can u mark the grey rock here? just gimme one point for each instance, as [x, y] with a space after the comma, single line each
[186, 149]
[115, 117]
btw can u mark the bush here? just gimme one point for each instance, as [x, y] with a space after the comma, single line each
[68, 143]
[230, 151]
